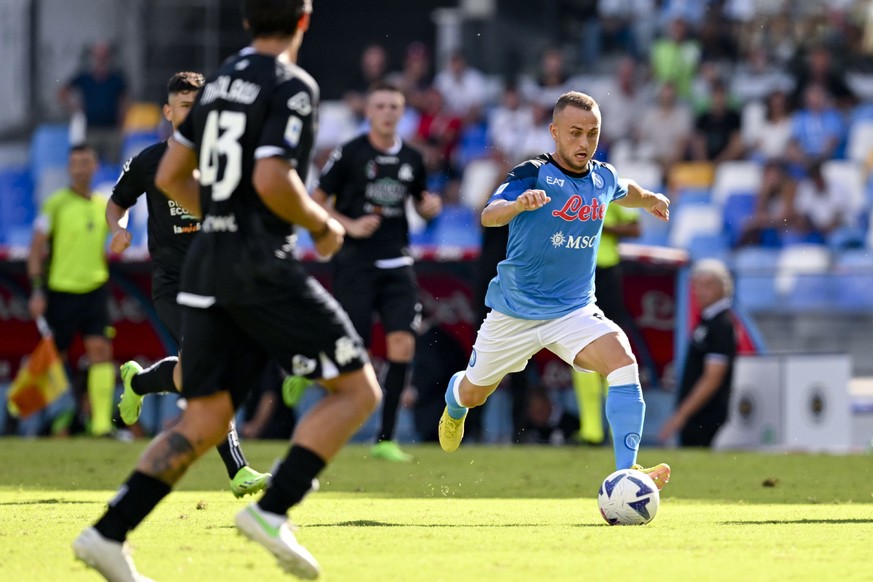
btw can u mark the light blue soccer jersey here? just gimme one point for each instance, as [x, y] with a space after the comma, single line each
[550, 257]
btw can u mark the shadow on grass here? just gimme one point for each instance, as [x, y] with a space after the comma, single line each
[371, 523]
[52, 502]
[800, 521]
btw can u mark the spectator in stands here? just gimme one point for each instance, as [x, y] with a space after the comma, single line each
[757, 76]
[461, 86]
[716, 137]
[100, 93]
[774, 207]
[415, 76]
[705, 388]
[825, 211]
[373, 68]
[664, 130]
[819, 69]
[768, 140]
[550, 81]
[817, 130]
[72, 291]
[622, 100]
[675, 58]
[439, 130]
[508, 127]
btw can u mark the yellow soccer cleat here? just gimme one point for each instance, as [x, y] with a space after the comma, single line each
[130, 405]
[660, 474]
[451, 432]
[247, 481]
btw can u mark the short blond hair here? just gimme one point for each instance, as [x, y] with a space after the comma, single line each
[717, 269]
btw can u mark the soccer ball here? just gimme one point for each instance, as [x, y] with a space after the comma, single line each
[628, 497]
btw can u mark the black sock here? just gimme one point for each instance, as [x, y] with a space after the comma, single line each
[395, 382]
[134, 501]
[156, 378]
[231, 453]
[292, 480]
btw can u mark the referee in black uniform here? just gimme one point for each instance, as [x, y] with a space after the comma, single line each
[365, 185]
[171, 229]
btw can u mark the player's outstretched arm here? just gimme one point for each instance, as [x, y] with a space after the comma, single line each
[638, 197]
[116, 218]
[175, 176]
[500, 212]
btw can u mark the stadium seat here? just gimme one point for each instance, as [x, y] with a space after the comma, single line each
[709, 246]
[646, 174]
[478, 183]
[737, 208]
[797, 261]
[848, 175]
[756, 292]
[16, 199]
[691, 175]
[813, 292]
[136, 141]
[854, 273]
[456, 226]
[691, 220]
[756, 260]
[49, 148]
[105, 178]
[860, 141]
[736, 176]
[142, 116]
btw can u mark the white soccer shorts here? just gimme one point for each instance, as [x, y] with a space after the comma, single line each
[504, 343]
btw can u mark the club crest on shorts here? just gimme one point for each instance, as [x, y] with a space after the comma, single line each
[472, 359]
[302, 366]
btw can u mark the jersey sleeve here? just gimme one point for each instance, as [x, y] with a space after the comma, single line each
[290, 118]
[334, 173]
[130, 184]
[722, 340]
[521, 178]
[620, 190]
[45, 220]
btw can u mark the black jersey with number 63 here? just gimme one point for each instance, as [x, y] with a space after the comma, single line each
[255, 106]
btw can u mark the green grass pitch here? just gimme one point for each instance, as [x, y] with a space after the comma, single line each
[489, 514]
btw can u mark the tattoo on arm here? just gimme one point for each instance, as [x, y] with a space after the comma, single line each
[169, 457]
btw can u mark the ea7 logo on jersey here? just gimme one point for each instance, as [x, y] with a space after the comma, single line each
[300, 103]
[555, 181]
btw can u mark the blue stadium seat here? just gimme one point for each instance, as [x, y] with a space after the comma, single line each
[135, 142]
[49, 148]
[854, 292]
[737, 209]
[756, 261]
[709, 246]
[757, 292]
[456, 226]
[813, 292]
[17, 209]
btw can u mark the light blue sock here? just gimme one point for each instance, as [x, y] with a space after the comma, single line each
[625, 411]
[456, 411]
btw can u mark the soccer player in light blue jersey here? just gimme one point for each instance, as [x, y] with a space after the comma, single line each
[543, 294]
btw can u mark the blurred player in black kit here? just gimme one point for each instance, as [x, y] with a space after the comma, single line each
[245, 296]
[365, 186]
[170, 231]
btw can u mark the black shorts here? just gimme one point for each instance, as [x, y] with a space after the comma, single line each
[85, 313]
[170, 314]
[304, 329]
[392, 293]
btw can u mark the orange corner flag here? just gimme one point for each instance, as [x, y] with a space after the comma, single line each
[39, 382]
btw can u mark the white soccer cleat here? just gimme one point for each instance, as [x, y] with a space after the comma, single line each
[261, 527]
[110, 558]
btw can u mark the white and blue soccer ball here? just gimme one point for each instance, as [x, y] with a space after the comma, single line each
[628, 497]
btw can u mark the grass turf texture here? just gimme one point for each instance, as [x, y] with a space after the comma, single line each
[483, 513]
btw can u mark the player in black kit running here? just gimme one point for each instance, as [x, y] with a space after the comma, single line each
[171, 229]
[246, 298]
[365, 186]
